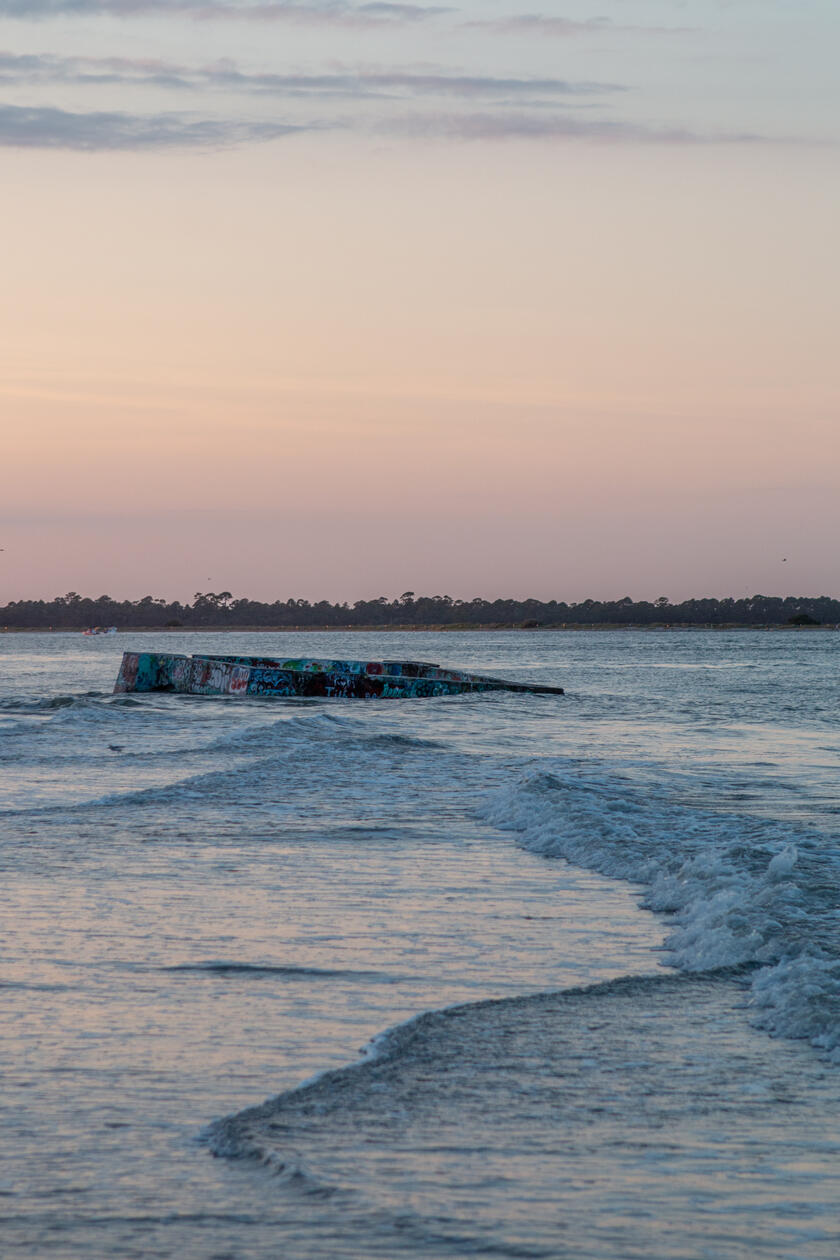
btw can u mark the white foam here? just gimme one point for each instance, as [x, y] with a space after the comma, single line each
[736, 890]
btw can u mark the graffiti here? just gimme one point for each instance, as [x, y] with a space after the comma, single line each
[239, 680]
[127, 676]
[306, 677]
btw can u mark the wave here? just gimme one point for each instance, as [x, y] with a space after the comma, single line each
[734, 889]
[400, 741]
[34, 987]
[573, 1123]
[69, 730]
[262, 768]
[220, 967]
[41, 704]
[255, 1133]
[195, 766]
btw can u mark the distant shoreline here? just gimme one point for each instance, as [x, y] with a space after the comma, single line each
[215, 613]
[458, 628]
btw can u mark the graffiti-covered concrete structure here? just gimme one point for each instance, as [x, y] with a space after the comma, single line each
[261, 676]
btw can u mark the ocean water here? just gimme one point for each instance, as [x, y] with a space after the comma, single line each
[488, 975]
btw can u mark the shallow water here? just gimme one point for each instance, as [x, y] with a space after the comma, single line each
[206, 902]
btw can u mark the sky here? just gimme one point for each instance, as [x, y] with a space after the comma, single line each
[342, 298]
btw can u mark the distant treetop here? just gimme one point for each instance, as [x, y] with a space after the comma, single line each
[221, 609]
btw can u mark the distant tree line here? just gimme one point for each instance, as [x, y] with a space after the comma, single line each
[221, 610]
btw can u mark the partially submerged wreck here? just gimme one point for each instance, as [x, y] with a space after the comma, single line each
[263, 676]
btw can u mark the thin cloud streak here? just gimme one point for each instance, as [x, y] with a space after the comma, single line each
[325, 12]
[543, 24]
[510, 126]
[225, 75]
[44, 127]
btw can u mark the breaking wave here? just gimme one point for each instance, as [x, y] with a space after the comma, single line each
[735, 890]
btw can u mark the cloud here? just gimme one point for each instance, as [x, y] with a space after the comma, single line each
[556, 127]
[402, 12]
[545, 25]
[483, 107]
[395, 83]
[318, 12]
[44, 127]
[226, 76]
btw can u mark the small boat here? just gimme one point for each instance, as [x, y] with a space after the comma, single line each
[264, 676]
[100, 630]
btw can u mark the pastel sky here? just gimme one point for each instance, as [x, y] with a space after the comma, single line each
[336, 298]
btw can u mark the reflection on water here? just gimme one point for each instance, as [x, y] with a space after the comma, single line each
[206, 902]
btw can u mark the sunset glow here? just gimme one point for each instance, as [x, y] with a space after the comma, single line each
[335, 301]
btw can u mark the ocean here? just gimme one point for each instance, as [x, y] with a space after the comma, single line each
[493, 975]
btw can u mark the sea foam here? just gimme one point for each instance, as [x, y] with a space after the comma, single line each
[736, 890]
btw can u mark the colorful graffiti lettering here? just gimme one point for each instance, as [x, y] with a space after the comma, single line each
[260, 676]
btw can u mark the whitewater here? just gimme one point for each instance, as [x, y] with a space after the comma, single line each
[486, 975]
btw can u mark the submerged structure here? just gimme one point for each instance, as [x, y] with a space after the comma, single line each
[263, 676]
